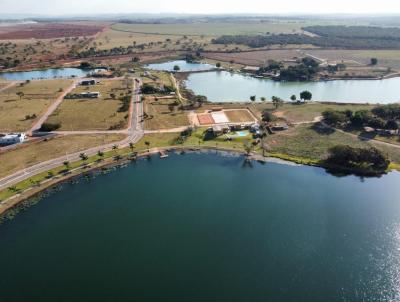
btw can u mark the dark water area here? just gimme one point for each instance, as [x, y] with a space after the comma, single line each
[204, 227]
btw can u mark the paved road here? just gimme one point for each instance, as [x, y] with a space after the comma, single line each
[135, 133]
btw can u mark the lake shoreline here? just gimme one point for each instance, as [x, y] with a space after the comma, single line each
[12, 203]
[34, 191]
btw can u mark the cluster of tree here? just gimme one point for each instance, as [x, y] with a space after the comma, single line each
[272, 66]
[366, 160]
[151, 89]
[351, 32]
[192, 58]
[256, 41]
[94, 52]
[381, 117]
[304, 71]
[125, 103]
[30, 116]
[9, 62]
[48, 127]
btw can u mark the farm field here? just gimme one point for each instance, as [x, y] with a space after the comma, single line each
[152, 42]
[256, 58]
[33, 101]
[214, 28]
[33, 153]
[94, 114]
[164, 114]
[48, 31]
[386, 58]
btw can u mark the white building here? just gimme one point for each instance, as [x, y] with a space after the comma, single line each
[12, 138]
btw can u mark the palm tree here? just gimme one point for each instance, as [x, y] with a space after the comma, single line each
[20, 94]
[100, 154]
[277, 101]
[147, 143]
[248, 147]
[66, 164]
[83, 156]
[131, 146]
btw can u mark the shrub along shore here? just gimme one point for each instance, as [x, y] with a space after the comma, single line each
[17, 197]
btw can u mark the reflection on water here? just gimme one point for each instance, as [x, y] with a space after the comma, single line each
[183, 66]
[223, 86]
[206, 227]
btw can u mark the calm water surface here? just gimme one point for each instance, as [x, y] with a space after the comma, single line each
[50, 73]
[203, 227]
[223, 86]
[183, 65]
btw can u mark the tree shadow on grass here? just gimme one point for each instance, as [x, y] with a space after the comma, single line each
[322, 129]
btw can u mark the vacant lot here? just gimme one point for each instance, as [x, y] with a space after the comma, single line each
[18, 112]
[94, 114]
[309, 142]
[30, 154]
[256, 58]
[239, 116]
[164, 114]
[308, 112]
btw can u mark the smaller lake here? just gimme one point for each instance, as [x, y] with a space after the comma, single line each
[183, 65]
[223, 86]
[49, 73]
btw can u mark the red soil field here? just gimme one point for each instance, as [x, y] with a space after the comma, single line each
[205, 119]
[48, 31]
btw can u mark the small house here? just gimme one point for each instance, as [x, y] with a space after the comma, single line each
[220, 129]
[90, 95]
[280, 127]
[87, 82]
[12, 138]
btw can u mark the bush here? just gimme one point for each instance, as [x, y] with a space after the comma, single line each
[361, 159]
[48, 127]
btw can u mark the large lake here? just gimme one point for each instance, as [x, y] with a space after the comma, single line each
[202, 227]
[50, 73]
[223, 86]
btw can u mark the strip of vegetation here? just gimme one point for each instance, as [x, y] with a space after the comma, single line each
[357, 32]
[153, 89]
[383, 117]
[352, 37]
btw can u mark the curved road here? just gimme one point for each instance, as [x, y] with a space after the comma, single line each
[135, 133]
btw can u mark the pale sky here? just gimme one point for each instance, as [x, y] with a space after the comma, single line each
[90, 7]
